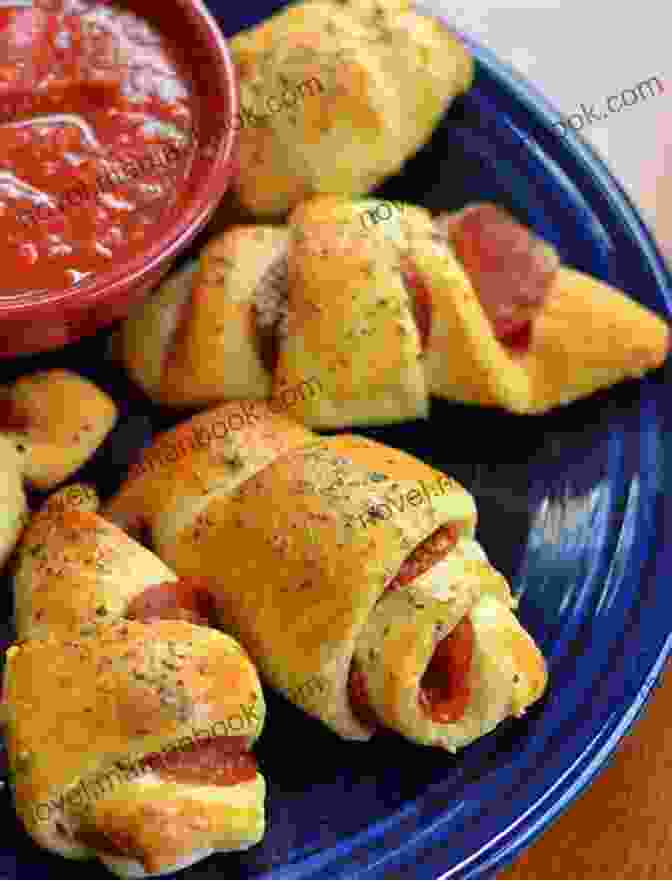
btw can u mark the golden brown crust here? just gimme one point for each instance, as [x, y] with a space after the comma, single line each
[350, 321]
[362, 294]
[213, 451]
[51, 422]
[73, 497]
[590, 336]
[587, 336]
[300, 580]
[74, 569]
[194, 342]
[66, 419]
[149, 331]
[14, 514]
[507, 671]
[306, 571]
[374, 456]
[398, 641]
[76, 707]
[358, 70]
[168, 827]
[221, 322]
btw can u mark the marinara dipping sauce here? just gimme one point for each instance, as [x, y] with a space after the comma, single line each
[95, 140]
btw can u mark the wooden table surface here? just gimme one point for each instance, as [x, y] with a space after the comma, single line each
[621, 827]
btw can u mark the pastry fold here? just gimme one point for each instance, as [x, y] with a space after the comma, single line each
[148, 340]
[351, 322]
[133, 745]
[337, 96]
[304, 578]
[507, 671]
[587, 336]
[304, 559]
[358, 311]
[196, 341]
[315, 315]
[211, 453]
[74, 570]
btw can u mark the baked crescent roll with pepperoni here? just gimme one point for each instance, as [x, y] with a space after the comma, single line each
[134, 744]
[361, 596]
[336, 96]
[369, 312]
[533, 334]
[473, 302]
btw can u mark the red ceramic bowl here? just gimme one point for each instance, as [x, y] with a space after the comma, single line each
[37, 322]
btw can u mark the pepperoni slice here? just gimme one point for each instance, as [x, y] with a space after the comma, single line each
[183, 316]
[216, 761]
[270, 309]
[188, 599]
[429, 552]
[444, 688]
[268, 344]
[420, 298]
[518, 340]
[13, 417]
[114, 842]
[511, 269]
[359, 697]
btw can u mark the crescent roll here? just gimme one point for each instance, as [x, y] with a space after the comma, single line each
[359, 311]
[51, 422]
[133, 745]
[533, 334]
[57, 420]
[207, 308]
[336, 96]
[359, 590]
[74, 570]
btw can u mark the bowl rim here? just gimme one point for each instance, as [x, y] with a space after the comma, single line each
[112, 284]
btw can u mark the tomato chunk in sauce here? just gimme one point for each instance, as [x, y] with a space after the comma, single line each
[96, 124]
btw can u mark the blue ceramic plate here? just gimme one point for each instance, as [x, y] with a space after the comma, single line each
[572, 507]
